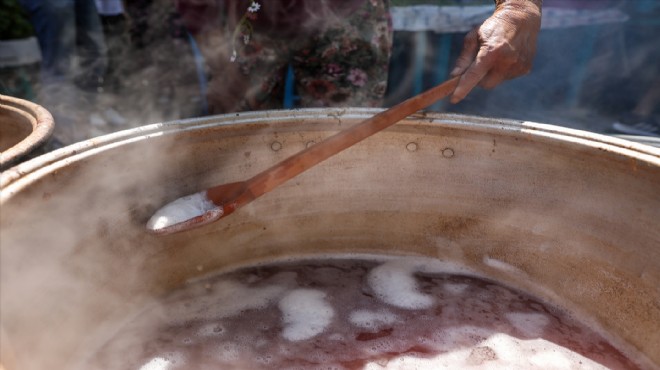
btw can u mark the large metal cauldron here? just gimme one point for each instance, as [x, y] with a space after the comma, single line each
[24, 126]
[566, 215]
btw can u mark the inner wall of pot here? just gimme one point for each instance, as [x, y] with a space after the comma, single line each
[573, 224]
[24, 126]
[15, 126]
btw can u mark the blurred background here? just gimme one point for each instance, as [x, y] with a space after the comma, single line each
[134, 63]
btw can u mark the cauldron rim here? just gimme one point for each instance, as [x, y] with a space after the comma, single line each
[21, 175]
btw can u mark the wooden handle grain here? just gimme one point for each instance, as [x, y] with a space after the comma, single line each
[297, 163]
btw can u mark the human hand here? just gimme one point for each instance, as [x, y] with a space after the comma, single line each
[502, 48]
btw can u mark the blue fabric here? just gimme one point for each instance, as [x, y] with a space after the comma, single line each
[66, 28]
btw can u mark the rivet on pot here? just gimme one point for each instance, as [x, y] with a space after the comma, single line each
[447, 152]
[412, 147]
[276, 145]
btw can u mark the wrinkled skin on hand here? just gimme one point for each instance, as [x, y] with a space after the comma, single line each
[502, 48]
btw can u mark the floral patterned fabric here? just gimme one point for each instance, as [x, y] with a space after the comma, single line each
[343, 62]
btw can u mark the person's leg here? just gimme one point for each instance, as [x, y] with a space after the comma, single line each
[115, 31]
[346, 64]
[90, 42]
[54, 24]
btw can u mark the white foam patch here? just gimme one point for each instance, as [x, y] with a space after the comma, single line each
[164, 362]
[306, 314]
[530, 324]
[551, 359]
[372, 319]
[460, 336]
[181, 210]
[225, 298]
[537, 354]
[157, 363]
[499, 351]
[395, 284]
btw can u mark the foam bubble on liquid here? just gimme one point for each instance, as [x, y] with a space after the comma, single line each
[305, 314]
[531, 324]
[394, 283]
[164, 362]
[226, 298]
[499, 351]
[556, 359]
[462, 336]
[538, 354]
[157, 363]
[262, 318]
[372, 319]
[182, 209]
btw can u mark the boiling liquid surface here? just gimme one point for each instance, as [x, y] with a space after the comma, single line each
[354, 313]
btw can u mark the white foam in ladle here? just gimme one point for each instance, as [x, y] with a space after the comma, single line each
[194, 209]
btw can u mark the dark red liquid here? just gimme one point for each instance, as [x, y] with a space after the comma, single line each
[337, 314]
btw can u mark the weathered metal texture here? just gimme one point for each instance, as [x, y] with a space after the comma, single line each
[24, 126]
[568, 216]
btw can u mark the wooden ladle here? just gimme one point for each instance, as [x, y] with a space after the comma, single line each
[219, 201]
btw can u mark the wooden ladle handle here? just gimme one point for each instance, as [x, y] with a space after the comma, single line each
[309, 157]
